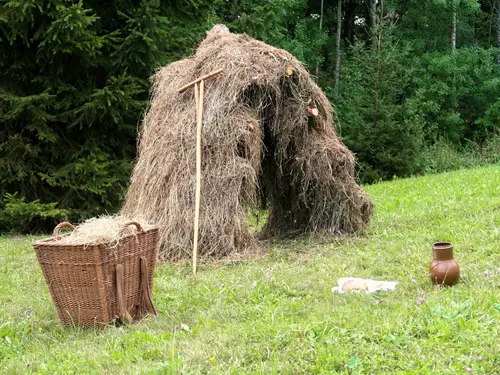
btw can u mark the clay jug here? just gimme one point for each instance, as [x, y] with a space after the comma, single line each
[444, 269]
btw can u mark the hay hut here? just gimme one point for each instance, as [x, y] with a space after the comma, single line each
[268, 135]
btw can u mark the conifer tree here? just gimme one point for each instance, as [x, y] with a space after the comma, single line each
[73, 87]
[370, 110]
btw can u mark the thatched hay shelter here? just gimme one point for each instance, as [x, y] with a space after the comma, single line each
[268, 135]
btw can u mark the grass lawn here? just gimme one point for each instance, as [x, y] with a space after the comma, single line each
[278, 315]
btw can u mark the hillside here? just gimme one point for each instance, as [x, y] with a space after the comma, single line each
[278, 315]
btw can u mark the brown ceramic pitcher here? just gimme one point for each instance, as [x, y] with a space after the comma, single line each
[444, 269]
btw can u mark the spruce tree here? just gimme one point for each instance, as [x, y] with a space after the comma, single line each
[371, 110]
[73, 87]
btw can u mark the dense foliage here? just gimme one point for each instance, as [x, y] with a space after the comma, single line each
[415, 78]
[73, 87]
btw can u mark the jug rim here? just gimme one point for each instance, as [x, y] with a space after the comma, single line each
[442, 245]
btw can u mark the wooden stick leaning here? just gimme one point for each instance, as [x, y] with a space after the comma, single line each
[197, 99]
[203, 78]
[199, 92]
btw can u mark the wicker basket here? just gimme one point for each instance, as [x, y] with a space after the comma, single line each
[94, 285]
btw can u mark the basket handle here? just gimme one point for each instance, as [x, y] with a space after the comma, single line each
[60, 226]
[137, 225]
[125, 317]
[145, 287]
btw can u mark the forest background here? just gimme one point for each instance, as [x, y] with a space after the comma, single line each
[415, 86]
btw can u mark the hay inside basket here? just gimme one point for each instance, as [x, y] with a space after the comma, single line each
[109, 229]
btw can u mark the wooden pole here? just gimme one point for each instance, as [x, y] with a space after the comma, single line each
[198, 93]
[199, 131]
[205, 77]
[197, 98]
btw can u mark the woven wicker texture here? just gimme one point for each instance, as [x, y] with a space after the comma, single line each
[82, 280]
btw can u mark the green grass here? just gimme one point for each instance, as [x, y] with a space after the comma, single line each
[278, 315]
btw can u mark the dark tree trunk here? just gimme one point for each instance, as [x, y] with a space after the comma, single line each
[373, 16]
[491, 21]
[498, 32]
[338, 51]
[320, 28]
[350, 8]
[453, 26]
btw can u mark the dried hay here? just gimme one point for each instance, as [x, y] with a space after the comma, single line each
[260, 143]
[105, 229]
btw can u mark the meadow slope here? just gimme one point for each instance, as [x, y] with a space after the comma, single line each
[277, 315]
